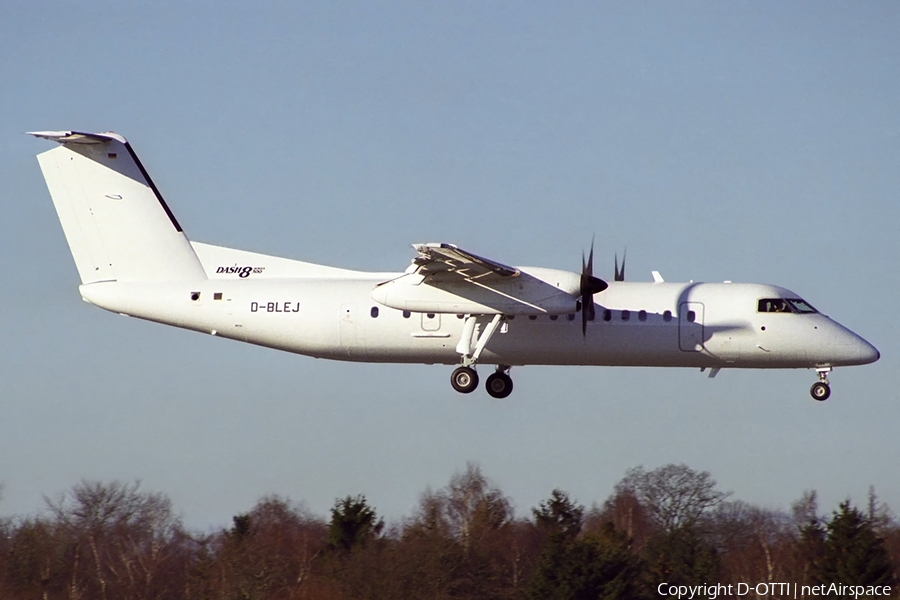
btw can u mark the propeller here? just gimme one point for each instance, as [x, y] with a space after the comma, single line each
[620, 275]
[590, 285]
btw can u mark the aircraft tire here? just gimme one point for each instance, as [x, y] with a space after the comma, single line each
[499, 385]
[820, 391]
[464, 380]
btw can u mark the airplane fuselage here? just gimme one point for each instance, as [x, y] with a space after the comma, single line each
[636, 324]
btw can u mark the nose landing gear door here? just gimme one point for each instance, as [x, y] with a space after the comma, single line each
[690, 326]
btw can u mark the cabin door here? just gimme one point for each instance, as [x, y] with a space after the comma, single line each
[690, 326]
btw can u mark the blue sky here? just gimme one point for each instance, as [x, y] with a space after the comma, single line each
[742, 141]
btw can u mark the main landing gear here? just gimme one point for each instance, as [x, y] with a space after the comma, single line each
[464, 379]
[820, 390]
[499, 385]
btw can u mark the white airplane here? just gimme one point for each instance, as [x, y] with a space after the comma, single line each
[449, 307]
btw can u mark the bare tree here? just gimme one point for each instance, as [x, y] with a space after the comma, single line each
[270, 552]
[754, 543]
[473, 507]
[674, 496]
[121, 539]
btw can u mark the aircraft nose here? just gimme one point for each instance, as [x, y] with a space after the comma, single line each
[867, 352]
[849, 348]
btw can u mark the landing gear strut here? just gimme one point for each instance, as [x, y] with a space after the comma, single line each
[474, 338]
[820, 390]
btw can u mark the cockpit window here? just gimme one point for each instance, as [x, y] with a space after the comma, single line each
[801, 306]
[784, 305]
[776, 305]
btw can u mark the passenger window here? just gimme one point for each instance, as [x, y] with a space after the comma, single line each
[691, 316]
[510, 317]
[667, 316]
[642, 316]
[532, 317]
[626, 314]
[554, 317]
[374, 312]
[607, 314]
[571, 316]
[406, 314]
[430, 315]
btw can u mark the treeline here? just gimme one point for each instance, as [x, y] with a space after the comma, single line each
[111, 541]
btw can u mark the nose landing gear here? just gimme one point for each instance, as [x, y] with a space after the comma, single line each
[820, 390]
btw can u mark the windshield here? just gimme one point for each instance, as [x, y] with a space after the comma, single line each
[801, 306]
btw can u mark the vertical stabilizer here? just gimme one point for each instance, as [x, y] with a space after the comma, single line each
[117, 224]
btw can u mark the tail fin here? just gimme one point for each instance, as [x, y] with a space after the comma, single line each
[117, 224]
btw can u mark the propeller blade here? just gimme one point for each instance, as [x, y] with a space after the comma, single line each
[590, 265]
[590, 285]
[620, 274]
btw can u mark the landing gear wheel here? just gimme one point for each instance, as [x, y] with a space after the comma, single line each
[499, 385]
[464, 380]
[820, 391]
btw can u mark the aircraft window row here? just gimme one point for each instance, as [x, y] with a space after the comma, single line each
[784, 305]
[624, 315]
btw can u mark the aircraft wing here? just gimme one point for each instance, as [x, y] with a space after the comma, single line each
[444, 278]
[448, 259]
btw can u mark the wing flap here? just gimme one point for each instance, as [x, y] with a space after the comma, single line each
[437, 258]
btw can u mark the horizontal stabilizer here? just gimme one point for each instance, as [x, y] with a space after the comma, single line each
[77, 137]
